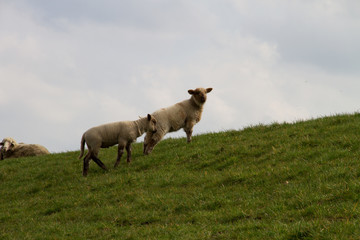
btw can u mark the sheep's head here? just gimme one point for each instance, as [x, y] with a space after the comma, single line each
[146, 142]
[151, 123]
[149, 143]
[199, 95]
[7, 144]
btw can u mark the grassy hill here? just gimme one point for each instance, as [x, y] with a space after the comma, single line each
[281, 181]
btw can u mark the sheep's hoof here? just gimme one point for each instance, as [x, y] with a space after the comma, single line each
[116, 164]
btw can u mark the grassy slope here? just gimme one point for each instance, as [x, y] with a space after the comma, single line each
[283, 181]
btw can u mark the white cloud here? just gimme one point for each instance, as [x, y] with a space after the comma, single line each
[320, 33]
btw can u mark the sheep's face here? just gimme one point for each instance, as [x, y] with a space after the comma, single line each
[148, 143]
[7, 144]
[151, 123]
[199, 95]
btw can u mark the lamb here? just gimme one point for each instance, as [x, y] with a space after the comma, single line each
[184, 115]
[106, 135]
[11, 149]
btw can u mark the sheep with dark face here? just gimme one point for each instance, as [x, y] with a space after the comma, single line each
[184, 115]
[11, 149]
[106, 135]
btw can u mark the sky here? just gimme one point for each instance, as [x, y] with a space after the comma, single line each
[67, 66]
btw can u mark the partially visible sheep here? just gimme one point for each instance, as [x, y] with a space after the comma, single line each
[184, 114]
[107, 135]
[11, 149]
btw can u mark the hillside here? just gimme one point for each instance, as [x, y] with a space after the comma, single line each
[281, 181]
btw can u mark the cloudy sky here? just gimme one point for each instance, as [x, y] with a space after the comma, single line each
[69, 65]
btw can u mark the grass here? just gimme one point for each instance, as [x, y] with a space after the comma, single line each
[279, 181]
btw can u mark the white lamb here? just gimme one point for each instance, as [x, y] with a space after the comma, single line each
[107, 135]
[11, 149]
[184, 115]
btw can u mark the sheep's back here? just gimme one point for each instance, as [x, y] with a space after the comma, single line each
[109, 134]
[26, 150]
[171, 118]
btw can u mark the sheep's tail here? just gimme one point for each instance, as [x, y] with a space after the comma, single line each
[82, 145]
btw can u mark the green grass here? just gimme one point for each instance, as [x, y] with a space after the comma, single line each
[280, 181]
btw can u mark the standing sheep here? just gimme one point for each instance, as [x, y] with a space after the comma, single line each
[11, 149]
[184, 114]
[107, 135]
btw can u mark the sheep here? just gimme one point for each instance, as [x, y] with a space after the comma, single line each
[106, 135]
[11, 149]
[184, 115]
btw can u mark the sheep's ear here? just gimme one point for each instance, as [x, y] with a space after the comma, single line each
[191, 92]
[149, 117]
[208, 90]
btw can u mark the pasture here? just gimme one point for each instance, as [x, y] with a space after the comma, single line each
[281, 181]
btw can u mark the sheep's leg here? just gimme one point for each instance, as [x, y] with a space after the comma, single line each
[98, 162]
[189, 130]
[120, 153]
[86, 164]
[188, 135]
[128, 149]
